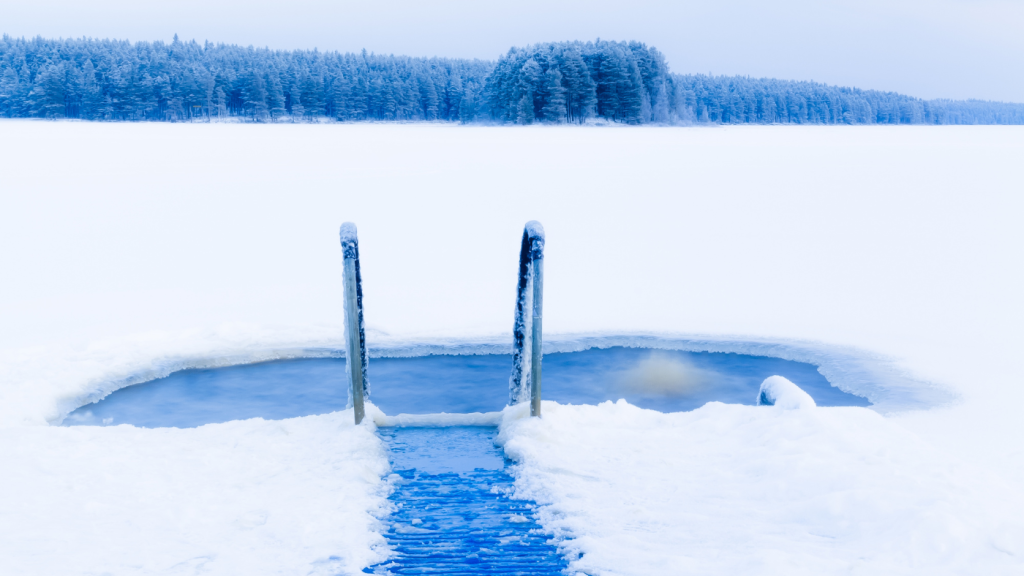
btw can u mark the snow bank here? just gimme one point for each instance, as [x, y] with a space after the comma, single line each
[441, 420]
[299, 496]
[731, 489]
[779, 391]
[40, 385]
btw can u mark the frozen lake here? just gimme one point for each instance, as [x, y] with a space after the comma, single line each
[881, 254]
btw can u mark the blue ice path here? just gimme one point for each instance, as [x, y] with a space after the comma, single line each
[454, 511]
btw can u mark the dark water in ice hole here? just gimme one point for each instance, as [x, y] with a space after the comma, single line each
[668, 381]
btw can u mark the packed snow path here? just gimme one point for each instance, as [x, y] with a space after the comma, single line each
[453, 508]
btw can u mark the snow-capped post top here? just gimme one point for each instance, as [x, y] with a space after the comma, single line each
[349, 241]
[534, 233]
[778, 391]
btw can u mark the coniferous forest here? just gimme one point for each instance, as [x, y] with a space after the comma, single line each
[565, 82]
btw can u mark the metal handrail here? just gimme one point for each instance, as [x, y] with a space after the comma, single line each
[525, 382]
[355, 333]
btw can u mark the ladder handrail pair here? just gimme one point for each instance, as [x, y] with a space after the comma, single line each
[524, 384]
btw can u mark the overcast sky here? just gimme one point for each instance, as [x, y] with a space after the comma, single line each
[925, 48]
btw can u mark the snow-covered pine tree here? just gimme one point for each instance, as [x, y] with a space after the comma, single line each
[427, 95]
[340, 96]
[554, 110]
[612, 75]
[11, 99]
[91, 92]
[298, 111]
[468, 105]
[275, 96]
[631, 93]
[454, 92]
[529, 81]
[255, 96]
[221, 102]
[580, 87]
[311, 90]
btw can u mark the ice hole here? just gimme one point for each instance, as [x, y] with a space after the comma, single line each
[664, 380]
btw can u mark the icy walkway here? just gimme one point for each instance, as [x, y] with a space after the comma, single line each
[454, 512]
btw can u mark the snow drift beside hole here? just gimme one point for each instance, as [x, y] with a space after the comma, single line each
[441, 420]
[297, 496]
[734, 489]
[779, 391]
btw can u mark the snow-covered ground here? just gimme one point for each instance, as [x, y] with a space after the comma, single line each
[731, 489]
[131, 249]
[249, 497]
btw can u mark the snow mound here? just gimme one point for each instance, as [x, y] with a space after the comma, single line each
[779, 391]
[297, 496]
[734, 489]
[441, 420]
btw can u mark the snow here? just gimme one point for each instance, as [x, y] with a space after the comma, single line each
[348, 233]
[732, 489]
[441, 420]
[780, 392]
[535, 229]
[885, 254]
[247, 497]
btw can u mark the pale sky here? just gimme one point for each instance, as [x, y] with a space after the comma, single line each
[929, 49]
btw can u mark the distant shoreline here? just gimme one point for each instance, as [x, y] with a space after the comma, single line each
[552, 83]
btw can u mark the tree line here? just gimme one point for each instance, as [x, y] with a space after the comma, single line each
[564, 82]
[118, 80]
[741, 100]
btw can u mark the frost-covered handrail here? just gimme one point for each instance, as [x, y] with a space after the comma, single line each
[355, 334]
[526, 370]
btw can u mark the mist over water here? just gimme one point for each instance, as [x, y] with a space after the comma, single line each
[665, 374]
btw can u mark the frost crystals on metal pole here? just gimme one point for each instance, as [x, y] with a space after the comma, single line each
[526, 352]
[355, 335]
